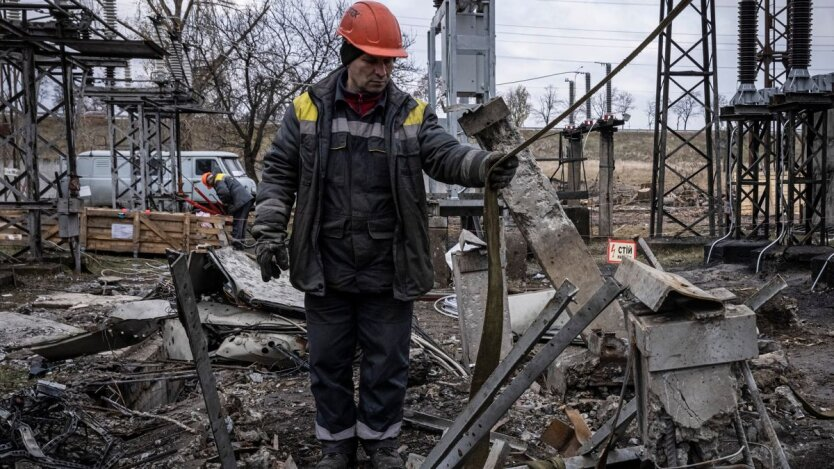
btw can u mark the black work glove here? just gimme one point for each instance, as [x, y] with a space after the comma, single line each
[272, 257]
[502, 173]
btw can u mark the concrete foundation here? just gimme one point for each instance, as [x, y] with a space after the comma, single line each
[783, 257]
[734, 251]
[827, 277]
[581, 218]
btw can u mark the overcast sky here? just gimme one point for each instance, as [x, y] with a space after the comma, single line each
[540, 37]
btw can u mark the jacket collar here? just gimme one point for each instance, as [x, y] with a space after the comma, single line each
[325, 90]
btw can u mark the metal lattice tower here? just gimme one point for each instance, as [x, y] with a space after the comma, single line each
[803, 140]
[50, 50]
[750, 146]
[684, 162]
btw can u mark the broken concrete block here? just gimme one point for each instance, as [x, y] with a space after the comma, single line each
[175, 341]
[244, 276]
[131, 323]
[693, 407]
[20, 330]
[267, 348]
[676, 341]
[694, 396]
[565, 371]
[660, 290]
[65, 300]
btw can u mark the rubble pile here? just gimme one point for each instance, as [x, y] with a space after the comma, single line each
[97, 373]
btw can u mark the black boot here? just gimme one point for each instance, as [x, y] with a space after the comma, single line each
[335, 461]
[386, 458]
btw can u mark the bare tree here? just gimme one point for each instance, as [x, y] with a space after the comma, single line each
[650, 110]
[254, 59]
[684, 107]
[621, 102]
[549, 102]
[518, 101]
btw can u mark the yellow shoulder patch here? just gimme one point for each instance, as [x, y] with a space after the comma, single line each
[415, 117]
[305, 109]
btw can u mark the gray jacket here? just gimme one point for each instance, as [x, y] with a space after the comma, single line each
[232, 193]
[294, 172]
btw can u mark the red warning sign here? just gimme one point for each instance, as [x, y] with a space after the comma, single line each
[620, 249]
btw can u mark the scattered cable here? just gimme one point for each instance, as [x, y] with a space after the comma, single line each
[450, 306]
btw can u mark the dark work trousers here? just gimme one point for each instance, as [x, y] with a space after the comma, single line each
[239, 220]
[381, 326]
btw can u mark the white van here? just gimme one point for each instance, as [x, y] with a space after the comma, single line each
[93, 169]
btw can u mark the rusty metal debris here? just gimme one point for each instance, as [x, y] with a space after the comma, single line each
[190, 318]
[35, 424]
[488, 405]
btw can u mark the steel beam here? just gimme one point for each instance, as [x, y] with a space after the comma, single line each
[190, 318]
[488, 405]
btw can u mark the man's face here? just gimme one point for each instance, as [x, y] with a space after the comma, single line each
[369, 74]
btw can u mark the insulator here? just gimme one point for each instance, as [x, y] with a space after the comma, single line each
[799, 40]
[128, 72]
[748, 25]
[110, 16]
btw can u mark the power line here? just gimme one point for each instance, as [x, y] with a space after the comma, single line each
[639, 4]
[536, 78]
[618, 44]
[544, 59]
[596, 38]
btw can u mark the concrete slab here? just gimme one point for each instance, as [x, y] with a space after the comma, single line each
[20, 330]
[661, 290]
[244, 276]
[74, 301]
[175, 341]
[142, 310]
[471, 280]
[526, 307]
[675, 342]
[222, 314]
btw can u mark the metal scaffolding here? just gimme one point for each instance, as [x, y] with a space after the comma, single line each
[803, 165]
[686, 73]
[49, 50]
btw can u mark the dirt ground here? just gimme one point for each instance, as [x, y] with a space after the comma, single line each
[273, 412]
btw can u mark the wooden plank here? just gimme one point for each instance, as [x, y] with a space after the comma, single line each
[186, 230]
[136, 234]
[82, 237]
[150, 224]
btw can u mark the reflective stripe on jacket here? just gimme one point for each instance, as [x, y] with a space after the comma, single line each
[294, 170]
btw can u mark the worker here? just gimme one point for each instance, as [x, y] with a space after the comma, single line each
[237, 202]
[350, 155]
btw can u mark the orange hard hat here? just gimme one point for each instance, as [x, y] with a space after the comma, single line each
[373, 29]
[205, 178]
